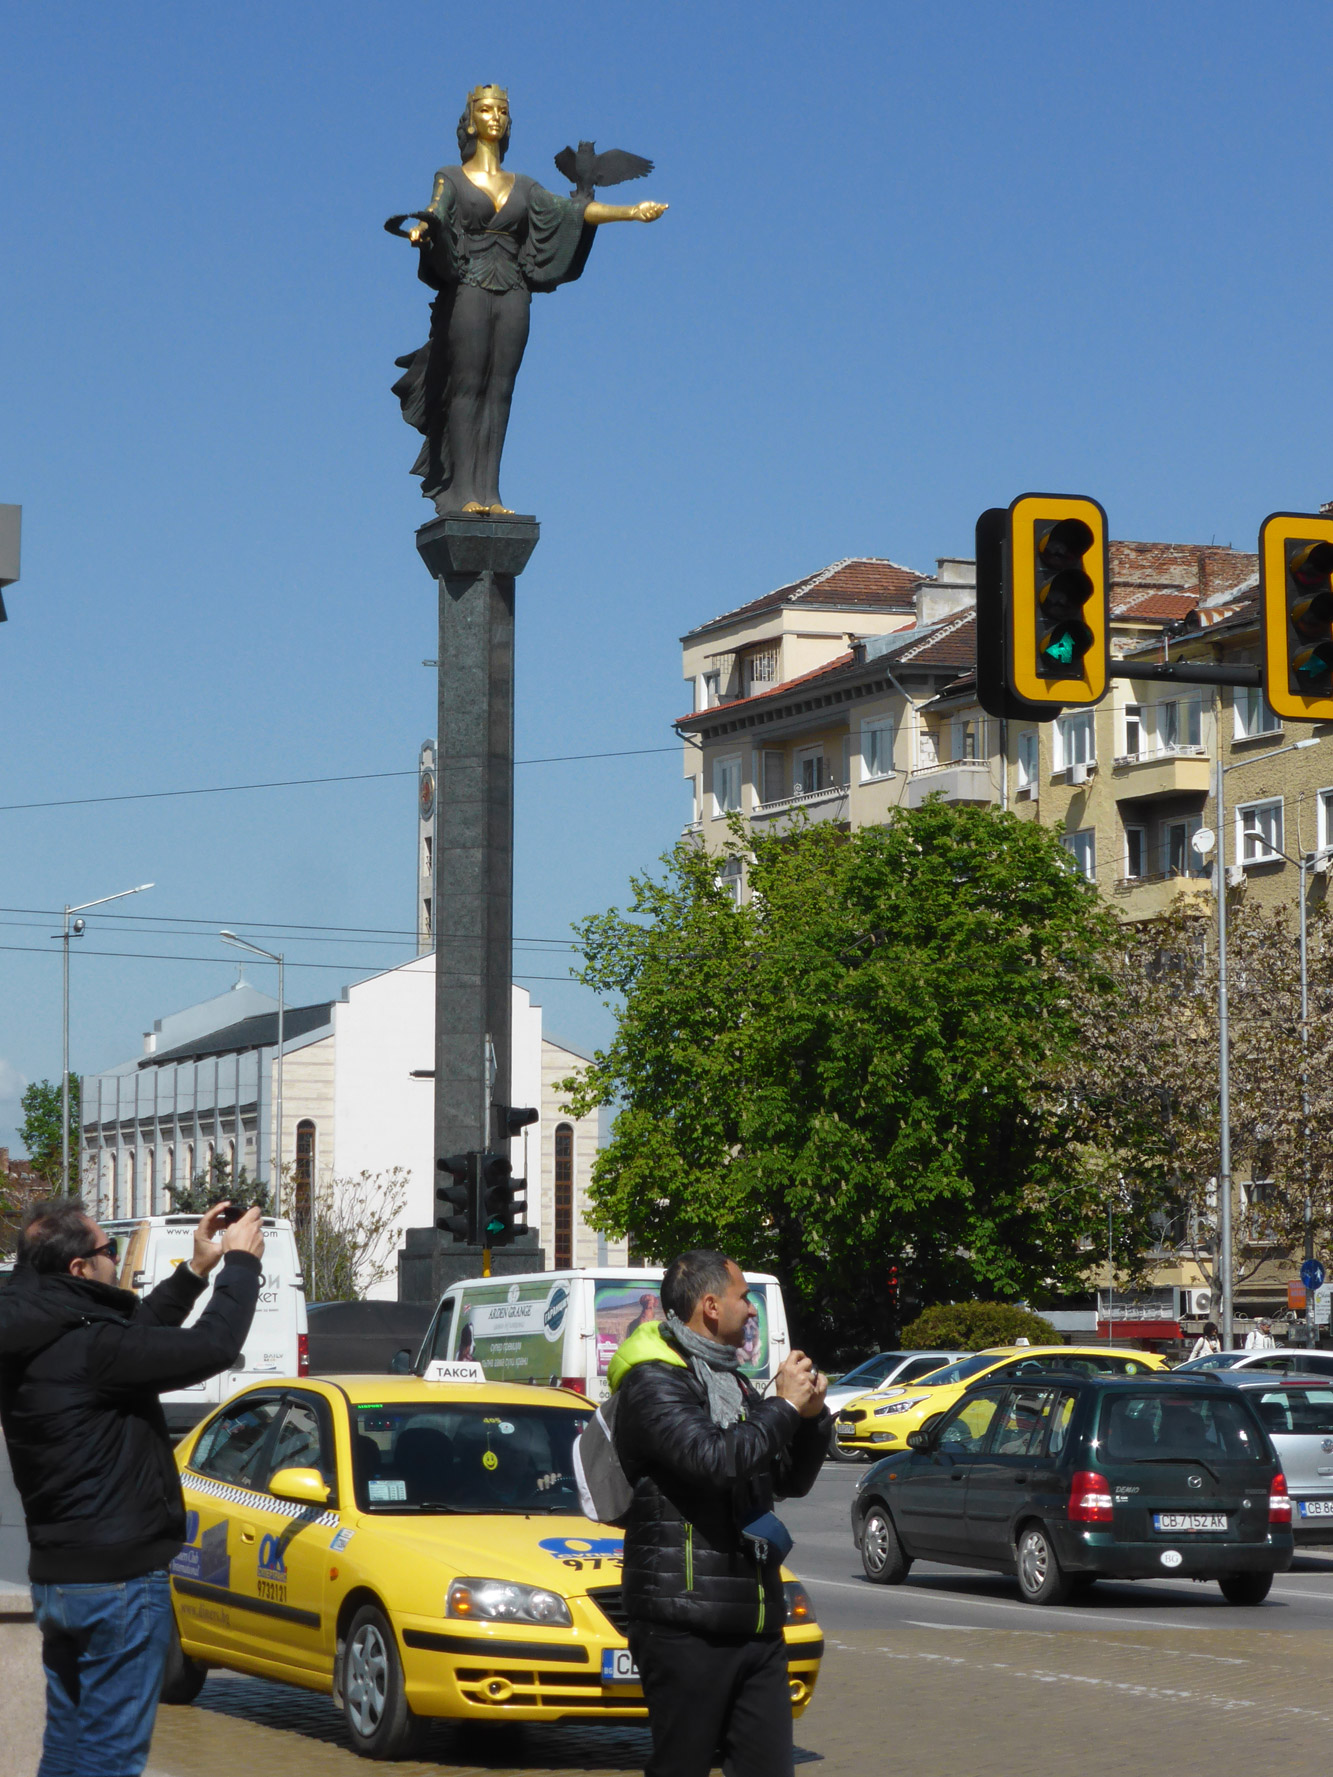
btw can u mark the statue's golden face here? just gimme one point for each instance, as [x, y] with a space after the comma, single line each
[489, 117]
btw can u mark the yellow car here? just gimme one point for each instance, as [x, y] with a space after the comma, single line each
[413, 1548]
[878, 1423]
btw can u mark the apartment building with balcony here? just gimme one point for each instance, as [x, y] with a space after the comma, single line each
[853, 692]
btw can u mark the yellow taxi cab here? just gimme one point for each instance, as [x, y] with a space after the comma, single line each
[877, 1424]
[414, 1548]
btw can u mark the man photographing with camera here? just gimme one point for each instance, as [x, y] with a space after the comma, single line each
[707, 1455]
[81, 1366]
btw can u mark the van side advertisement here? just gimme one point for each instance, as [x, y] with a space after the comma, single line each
[513, 1329]
[618, 1308]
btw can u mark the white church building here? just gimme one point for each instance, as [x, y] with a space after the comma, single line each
[356, 1097]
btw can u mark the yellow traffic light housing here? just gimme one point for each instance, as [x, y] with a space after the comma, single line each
[1296, 578]
[1057, 602]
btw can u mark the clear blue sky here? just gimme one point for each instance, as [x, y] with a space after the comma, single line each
[918, 259]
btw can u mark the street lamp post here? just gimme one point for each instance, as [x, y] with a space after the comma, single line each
[65, 935]
[1224, 1025]
[275, 1167]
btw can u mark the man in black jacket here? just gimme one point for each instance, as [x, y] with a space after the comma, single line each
[707, 1456]
[81, 1366]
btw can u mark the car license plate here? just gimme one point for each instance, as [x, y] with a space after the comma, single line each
[1316, 1508]
[618, 1666]
[1189, 1521]
[846, 1427]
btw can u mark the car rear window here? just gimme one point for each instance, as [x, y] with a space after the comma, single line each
[1182, 1427]
[1298, 1411]
[411, 1456]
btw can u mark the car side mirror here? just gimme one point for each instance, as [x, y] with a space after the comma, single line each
[918, 1440]
[302, 1486]
[400, 1364]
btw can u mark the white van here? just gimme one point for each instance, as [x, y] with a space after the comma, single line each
[152, 1247]
[564, 1326]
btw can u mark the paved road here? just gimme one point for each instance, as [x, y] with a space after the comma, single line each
[952, 1668]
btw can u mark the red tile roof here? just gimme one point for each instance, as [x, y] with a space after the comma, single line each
[856, 580]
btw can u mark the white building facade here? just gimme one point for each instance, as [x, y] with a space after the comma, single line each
[357, 1097]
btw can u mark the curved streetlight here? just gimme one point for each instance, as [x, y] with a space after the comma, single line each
[276, 1168]
[64, 936]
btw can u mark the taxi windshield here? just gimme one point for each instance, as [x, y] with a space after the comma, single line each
[419, 1457]
[962, 1371]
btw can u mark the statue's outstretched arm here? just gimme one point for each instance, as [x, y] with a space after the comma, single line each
[644, 212]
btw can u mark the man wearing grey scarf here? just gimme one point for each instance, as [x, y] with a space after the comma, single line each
[707, 1455]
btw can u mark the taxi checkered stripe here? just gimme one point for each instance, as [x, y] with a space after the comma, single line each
[260, 1502]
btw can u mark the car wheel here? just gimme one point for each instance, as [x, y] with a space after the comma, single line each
[374, 1701]
[182, 1677]
[1246, 1588]
[1041, 1579]
[882, 1554]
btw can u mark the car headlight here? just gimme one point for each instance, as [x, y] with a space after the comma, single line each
[796, 1603]
[501, 1601]
[902, 1406]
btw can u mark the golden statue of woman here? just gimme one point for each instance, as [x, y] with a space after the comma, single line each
[486, 241]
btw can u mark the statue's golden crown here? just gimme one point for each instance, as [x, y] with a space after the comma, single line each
[488, 92]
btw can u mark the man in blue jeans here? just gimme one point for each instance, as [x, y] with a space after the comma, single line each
[81, 1366]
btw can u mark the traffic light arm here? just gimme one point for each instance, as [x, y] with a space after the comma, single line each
[1189, 672]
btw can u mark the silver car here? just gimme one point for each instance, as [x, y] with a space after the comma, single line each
[1297, 1413]
[886, 1370]
[1308, 1363]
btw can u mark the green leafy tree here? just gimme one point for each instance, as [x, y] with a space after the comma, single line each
[40, 1131]
[214, 1184]
[356, 1234]
[974, 1326]
[853, 1068]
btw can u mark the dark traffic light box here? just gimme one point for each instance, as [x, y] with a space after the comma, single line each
[1296, 580]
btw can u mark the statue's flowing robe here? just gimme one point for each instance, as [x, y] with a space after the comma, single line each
[535, 241]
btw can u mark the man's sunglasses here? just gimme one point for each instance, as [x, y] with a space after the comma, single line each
[110, 1247]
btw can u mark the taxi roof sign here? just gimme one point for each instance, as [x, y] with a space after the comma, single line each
[440, 1369]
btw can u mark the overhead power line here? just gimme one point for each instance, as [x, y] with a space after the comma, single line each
[162, 956]
[275, 928]
[292, 783]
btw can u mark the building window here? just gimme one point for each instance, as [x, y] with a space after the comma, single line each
[1133, 730]
[964, 740]
[131, 1207]
[1259, 831]
[1253, 715]
[876, 750]
[710, 690]
[811, 772]
[1136, 853]
[1074, 744]
[726, 786]
[150, 1182]
[564, 1196]
[427, 848]
[189, 1164]
[169, 1167]
[729, 879]
[303, 1171]
[426, 926]
[1028, 743]
[927, 748]
[1179, 857]
[1324, 836]
[1082, 848]
[113, 1182]
[772, 775]
[760, 671]
[1179, 724]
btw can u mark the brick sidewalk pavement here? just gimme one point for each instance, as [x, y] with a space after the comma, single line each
[1201, 1704]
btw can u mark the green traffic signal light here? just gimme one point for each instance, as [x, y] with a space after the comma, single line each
[497, 1211]
[1063, 637]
